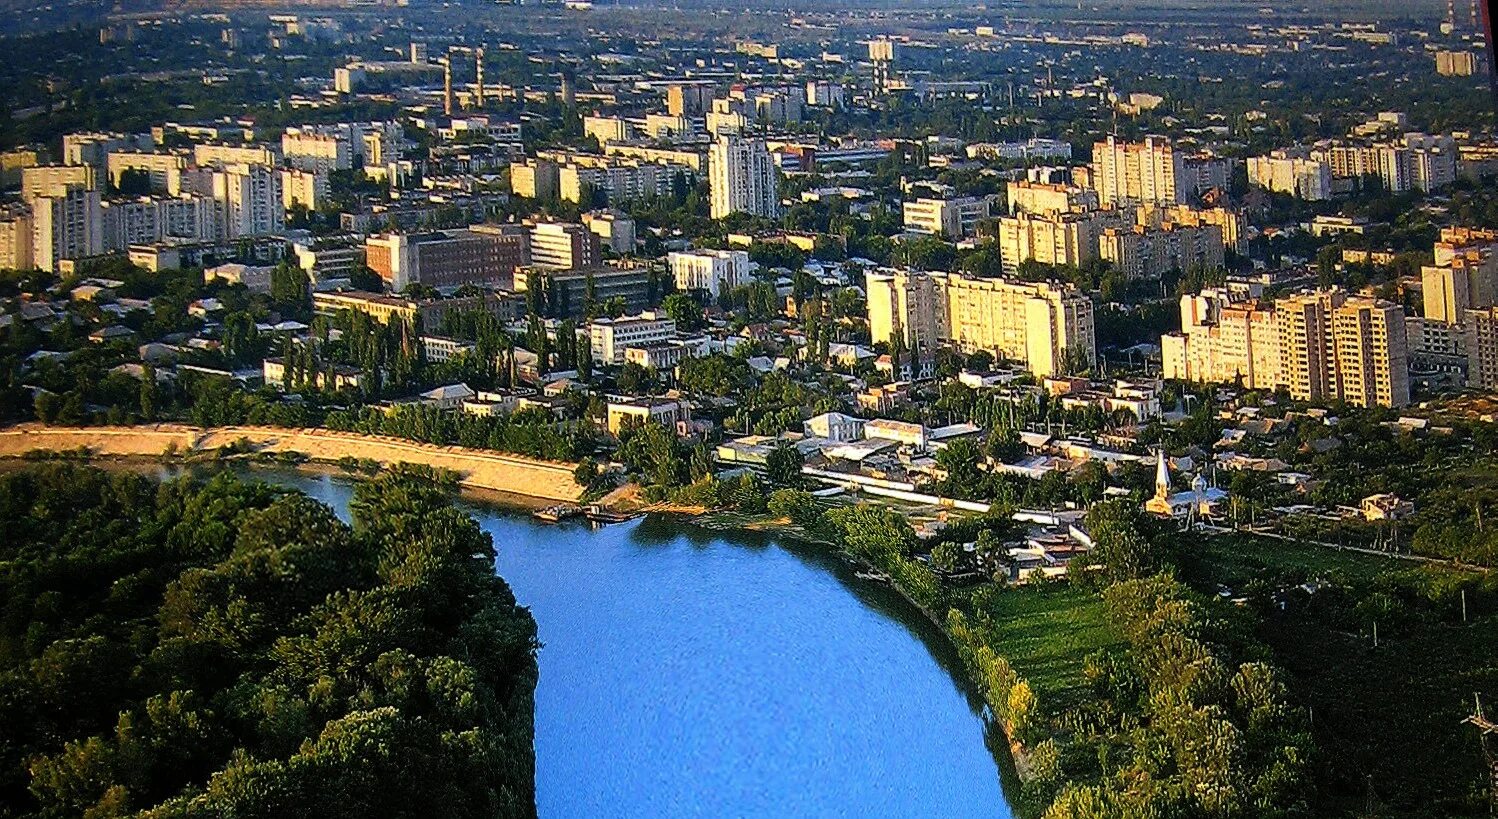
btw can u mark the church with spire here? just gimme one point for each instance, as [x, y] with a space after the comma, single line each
[1197, 502]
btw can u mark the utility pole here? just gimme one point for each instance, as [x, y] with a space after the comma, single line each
[1486, 728]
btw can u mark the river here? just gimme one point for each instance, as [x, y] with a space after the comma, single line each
[685, 673]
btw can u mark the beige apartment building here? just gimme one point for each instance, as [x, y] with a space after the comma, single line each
[55, 180]
[535, 179]
[1042, 324]
[950, 219]
[15, 238]
[1469, 281]
[1141, 251]
[1319, 346]
[1062, 238]
[1040, 198]
[1232, 223]
[1149, 172]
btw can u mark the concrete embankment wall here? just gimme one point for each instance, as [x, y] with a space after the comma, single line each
[476, 468]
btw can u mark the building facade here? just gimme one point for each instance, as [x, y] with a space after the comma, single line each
[711, 271]
[742, 178]
[1047, 326]
[1319, 346]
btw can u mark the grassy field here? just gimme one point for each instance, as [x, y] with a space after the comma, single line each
[1234, 560]
[1046, 632]
[1387, 719]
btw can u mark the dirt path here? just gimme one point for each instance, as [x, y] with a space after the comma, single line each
[476, 468]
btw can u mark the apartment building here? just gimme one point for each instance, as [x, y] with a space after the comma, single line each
[15, 238]
[1299, 176]
[311, 150]
[150, 219]
[1044, 325]
[1456, 63]
[535, 179]
[952, 218]
[1043, 199]
[567, 292]
[93, 148]
[250, 200]
[711, 271]
[384, 309]
[1142, 251]
[619, 181]
[615, 229]
[1062, 238]
[310, 189]
[66, 224]
[1319, 346]
[1148, 172]
[1481, 342]
[214, 153]
[606, 129]
[1468, 281]
[1232, 223]
[742, 178]
[688, 98]
[51, 180]
[162, 168]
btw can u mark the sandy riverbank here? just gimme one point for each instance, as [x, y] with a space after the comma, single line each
[477, 469]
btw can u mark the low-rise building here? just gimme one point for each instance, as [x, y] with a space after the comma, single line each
[609, 338]
[667, 412]
[656, 355]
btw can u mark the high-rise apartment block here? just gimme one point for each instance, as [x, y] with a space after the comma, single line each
[205, 154]
[250, 200]
[1045, 325]
[66, 224]
[150, 219]
[1142, 251]
[163, 169]
[309, 189]
[15, 238]
[312, 150]
[49, 180]
[1041, 199]
[689, 98]
[742, 178]
[1299, 176]
[1481, 342]
[535, 179]
[1148, 172]
[1063, 238]
[1319, 346]
[93, 149]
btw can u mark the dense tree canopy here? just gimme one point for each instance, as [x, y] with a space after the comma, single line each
[226, 648]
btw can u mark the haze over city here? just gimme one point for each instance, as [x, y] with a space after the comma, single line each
[657, 409]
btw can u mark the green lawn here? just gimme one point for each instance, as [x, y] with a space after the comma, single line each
[1046, 632]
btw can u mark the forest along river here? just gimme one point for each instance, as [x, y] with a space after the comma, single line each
[689, 673]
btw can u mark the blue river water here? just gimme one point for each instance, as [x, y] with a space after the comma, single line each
[685, 673]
